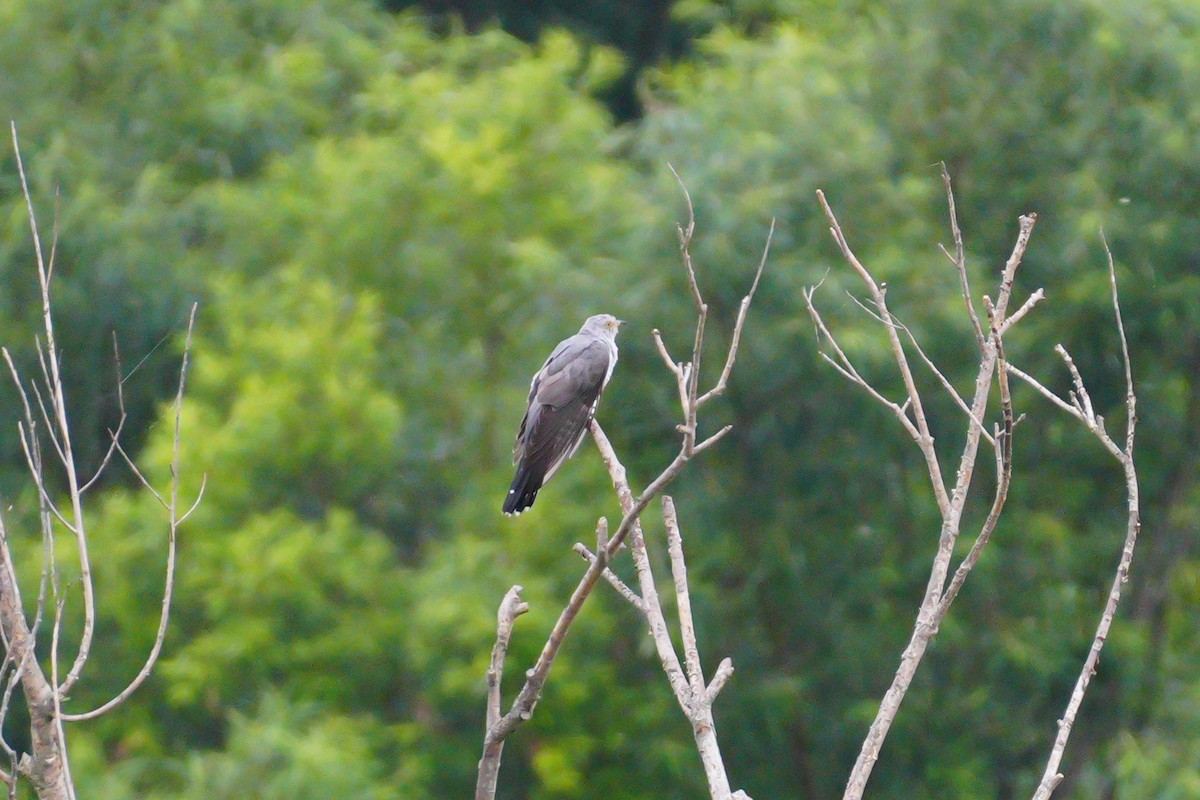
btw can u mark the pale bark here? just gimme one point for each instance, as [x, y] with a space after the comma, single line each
[693, 696]
[993, 368]
[47, 766]
[936, 601]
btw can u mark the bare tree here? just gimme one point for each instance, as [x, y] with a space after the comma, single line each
[45, 419]
[695, 697]
[993, 369]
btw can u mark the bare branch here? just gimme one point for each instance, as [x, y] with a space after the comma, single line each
[29, 442]
[54, 233]
[527, 698]
[56, 697]
[37, 240]
[925, 438]
[613, 579]
[1003, 447]
[1052, 777]
[846, 368]
[58, 403]
[960, 259]
[172, 534]
[649, 592]
[1025, 308]
[685, 239]
[710, 441]
[1081, 392]
[1049, 395]
[949, 387]
[737, 326]
[12, 678]
[511, 607]
[196, 503]
[115, 435]
[691, 653]
[47, 764]
[720, 677]
[662, 350]
[686, 378]
[30, 448]
[1130, 397]
[142, 479]
[37, 394]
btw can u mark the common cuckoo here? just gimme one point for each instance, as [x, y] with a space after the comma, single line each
[562, 401]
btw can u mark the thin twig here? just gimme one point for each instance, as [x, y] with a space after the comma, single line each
[1025, 308]
[1046, 393]
[1052, 777]
[925, 439]
[662, 350]
[844, 366]
[58, 402]
[56, 697]
[744, 307]
[114, 435]
[685, 237]
[720, 678]
[172, 535]
[949, 387]
[960, 259]
[613, 579]
[29, 445]
[37, 394]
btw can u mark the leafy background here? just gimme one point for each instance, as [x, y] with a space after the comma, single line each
[389, 212]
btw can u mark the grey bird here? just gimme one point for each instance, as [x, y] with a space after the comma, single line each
[563, 396]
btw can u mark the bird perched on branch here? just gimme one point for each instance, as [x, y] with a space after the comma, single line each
[562, 401]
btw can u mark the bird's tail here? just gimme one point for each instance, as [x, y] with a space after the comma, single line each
[525, 486]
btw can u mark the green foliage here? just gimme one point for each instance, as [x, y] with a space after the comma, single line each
[296, 369]
[283, 750]
[387, 228]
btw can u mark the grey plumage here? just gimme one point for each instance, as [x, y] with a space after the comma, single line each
[563, 396]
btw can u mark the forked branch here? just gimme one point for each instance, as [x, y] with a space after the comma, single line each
[47, 766]
[938, 594]
[993, 366]
[694, 698]
[1082, 410]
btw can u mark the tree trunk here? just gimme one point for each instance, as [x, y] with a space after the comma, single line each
[45, 767]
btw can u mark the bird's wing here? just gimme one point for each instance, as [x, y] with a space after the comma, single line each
[534, 383]
[562, 399]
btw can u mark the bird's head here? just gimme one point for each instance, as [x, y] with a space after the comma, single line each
[605, 325]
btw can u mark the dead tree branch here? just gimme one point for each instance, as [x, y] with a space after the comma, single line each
[938, 595]
[1081, 408]
[47, 766]
[993, 365]
[174, 519]
[693, 696]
